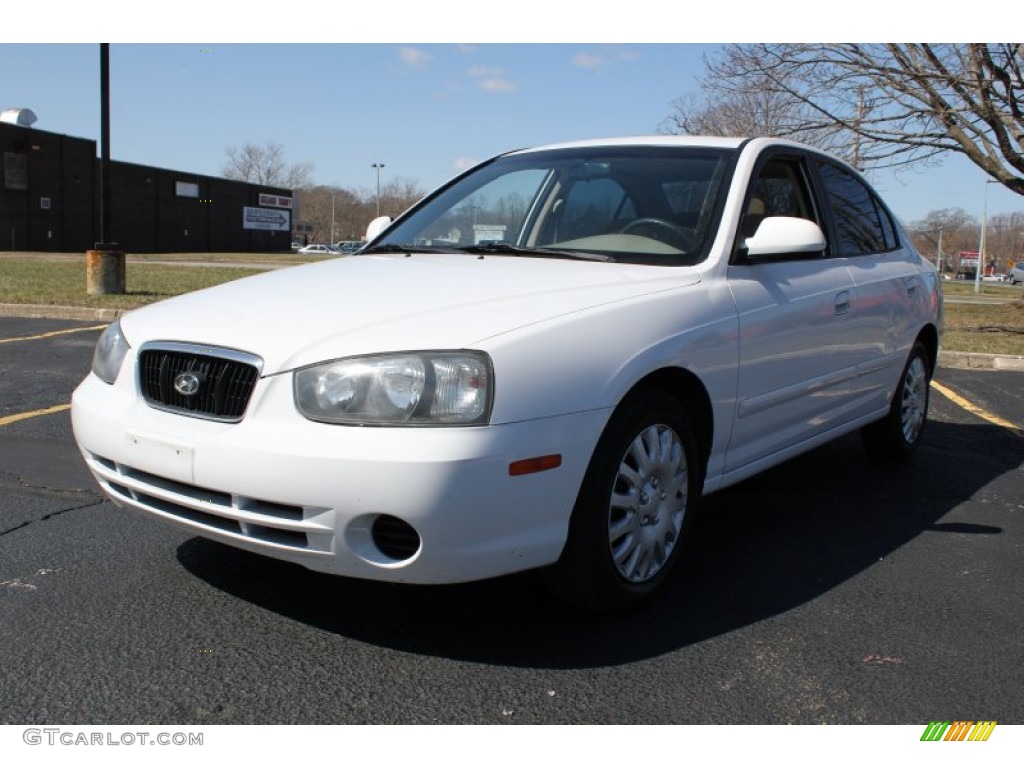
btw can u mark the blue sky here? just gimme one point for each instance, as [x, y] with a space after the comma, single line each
[425, 109]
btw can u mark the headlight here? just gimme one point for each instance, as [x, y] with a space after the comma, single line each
[414, 388]
[110, 352]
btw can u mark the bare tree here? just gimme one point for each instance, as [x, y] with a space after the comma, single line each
[957, 230]
[877, 104]
[960, 231]
[755, 111]
[265, 164]
[398, 195]
[1004, 240]
[350, 211]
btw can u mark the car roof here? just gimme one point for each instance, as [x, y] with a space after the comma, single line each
[712, 142]
[645, 141]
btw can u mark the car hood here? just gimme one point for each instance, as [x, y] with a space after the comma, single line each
[366, 304]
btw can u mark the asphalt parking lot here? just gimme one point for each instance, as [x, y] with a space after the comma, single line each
[827, 590]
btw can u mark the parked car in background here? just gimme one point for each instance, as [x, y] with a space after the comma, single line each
[1016, 274]
[349, 246]
[317, 250]
[544, 364]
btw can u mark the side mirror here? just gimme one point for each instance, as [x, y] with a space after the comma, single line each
[376, 226]
[784, 235]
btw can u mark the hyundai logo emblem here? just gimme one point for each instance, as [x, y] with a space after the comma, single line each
[186, 383]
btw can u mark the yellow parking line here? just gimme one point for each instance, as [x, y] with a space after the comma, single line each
[978, 411]
[4, 420]
[53, 333]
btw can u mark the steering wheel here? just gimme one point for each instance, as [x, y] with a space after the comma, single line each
[663, 230]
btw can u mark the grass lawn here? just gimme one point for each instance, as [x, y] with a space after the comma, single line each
[966, 288]
[59, 279]
[62, 282]
[996, 329]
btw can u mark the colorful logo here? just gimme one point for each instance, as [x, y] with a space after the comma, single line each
[958, 730]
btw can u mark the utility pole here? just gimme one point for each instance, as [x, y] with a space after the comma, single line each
[981, 240]
[856, 125]
[378, 166]
[104, 146]
[105, 264]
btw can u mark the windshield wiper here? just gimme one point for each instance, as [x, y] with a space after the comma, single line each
[388, 248]
[515, 250]
[408, 249]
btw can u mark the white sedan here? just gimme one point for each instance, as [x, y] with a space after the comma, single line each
[318, 250]
[542, 365]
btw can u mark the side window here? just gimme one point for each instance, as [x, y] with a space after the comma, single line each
[780, 189]
[862, 225]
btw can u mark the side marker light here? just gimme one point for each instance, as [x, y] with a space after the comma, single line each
[535, 464]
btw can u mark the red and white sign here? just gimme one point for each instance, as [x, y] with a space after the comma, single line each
[275, 201]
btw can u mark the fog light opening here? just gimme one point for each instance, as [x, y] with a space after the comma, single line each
[394, 537]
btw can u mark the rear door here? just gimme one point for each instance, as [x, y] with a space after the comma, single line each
[890, 294]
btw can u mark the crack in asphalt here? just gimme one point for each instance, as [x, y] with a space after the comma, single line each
[44, 518]
[23, 483]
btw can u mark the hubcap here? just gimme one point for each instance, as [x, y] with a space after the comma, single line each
[648, 503]
[915, 400]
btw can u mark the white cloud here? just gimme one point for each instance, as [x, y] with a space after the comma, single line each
[491, 79]
[463, 163]
[478, 72]
[587, 61]
[415, 58]
[497, 85]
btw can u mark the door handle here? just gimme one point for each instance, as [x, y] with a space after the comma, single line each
[842, 302]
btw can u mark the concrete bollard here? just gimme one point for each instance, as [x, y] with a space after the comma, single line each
[104, 272]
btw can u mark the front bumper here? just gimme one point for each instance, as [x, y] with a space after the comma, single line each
[320, 495]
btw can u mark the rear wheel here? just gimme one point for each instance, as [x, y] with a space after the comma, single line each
[896, 436]
[635, 508]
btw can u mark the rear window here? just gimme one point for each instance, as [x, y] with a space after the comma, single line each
[863, 225]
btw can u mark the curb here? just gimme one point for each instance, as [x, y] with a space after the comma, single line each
[978, 360]
[970, 360]
[53, 312]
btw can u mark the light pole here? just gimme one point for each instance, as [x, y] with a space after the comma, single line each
[938, 247]
[981, 239]
[332, 218]
[378, 166]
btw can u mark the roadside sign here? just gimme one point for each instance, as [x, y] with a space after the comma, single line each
[275, 201]
[265, 218]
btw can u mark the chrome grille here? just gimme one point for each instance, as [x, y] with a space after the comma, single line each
[224, 377]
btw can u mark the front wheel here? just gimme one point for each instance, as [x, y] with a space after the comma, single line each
[635, 508]
[896, 436]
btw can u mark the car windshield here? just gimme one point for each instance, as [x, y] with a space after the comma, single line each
[652, 205]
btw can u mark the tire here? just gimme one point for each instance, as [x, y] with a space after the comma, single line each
[635, 509]
[896, 436]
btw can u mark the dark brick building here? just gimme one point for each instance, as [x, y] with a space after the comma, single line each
[50, 201]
